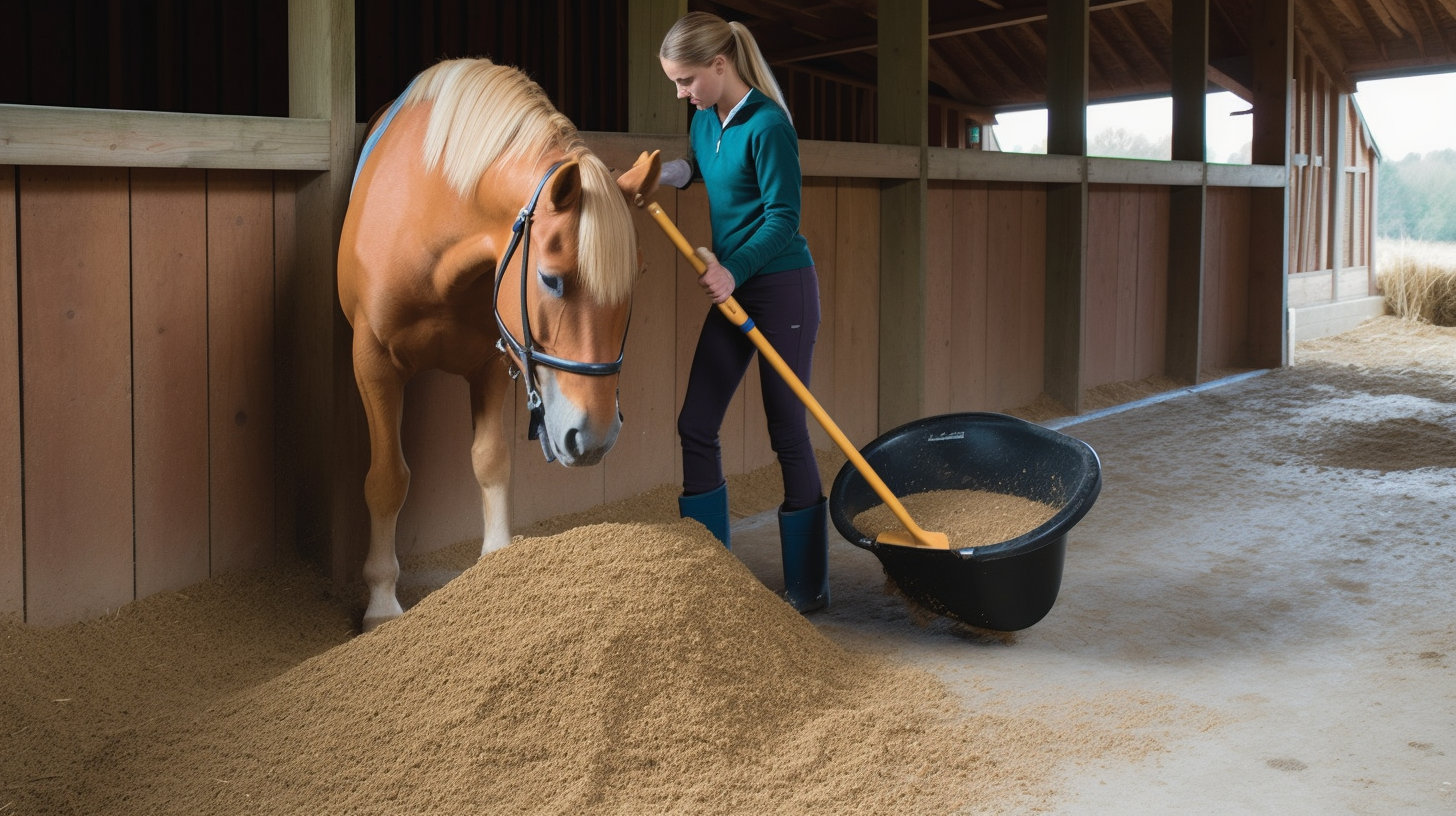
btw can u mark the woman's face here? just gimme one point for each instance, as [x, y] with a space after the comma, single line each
[702, 85]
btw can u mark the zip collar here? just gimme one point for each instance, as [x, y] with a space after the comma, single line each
[728, 120]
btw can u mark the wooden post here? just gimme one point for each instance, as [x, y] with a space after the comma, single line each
[1066, 206]
[12, 544]
[904, 48]
[1272, 47]
[322, 444]
[1340, 170]
[1187, 204]
[652, 103]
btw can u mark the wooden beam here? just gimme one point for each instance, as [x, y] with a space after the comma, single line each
[104, 138]
[904, 247]
[652, 103]
[1323, 45]
[1066, 204]
[1229, 84]
[1142, 44]
[1190, 80]
[1352, 13]
[1272, 48]
[1435, 26]
[1183, 340]
[1336, 163]
[1397, 18]
[321, 442]
[950, 28]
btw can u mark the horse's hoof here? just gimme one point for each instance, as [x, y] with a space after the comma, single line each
[372, 622]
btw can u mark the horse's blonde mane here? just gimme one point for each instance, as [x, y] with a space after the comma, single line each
[483, 113]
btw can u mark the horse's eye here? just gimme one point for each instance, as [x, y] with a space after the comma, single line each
[554, 284]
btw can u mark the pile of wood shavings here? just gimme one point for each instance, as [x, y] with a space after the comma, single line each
[615, 668]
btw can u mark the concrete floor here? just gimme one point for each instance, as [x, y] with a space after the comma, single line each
[1296, 617]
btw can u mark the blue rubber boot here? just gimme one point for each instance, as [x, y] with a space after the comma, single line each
[711, 509]
[804, 544]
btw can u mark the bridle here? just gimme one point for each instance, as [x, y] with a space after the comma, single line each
[528, 352]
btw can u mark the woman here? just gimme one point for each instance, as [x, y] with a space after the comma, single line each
[744, 147]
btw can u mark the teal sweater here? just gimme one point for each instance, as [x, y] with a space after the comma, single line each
[751, 171]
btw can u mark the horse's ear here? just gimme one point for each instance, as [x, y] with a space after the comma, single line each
[565, 191]
[640, 182]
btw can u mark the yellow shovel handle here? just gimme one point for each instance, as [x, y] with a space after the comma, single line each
[735, 313]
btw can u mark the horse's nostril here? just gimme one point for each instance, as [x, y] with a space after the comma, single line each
[571, 437]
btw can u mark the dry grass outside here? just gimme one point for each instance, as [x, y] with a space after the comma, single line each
[1418, 279]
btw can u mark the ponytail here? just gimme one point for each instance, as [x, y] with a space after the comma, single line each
[754, 68]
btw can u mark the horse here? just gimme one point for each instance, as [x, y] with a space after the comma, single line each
[472, 171]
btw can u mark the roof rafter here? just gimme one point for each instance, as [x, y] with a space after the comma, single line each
[952, 28]
[1311, 25]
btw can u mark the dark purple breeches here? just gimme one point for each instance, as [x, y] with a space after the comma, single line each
[785, 307]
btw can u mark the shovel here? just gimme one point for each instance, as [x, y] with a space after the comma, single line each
[916, 537]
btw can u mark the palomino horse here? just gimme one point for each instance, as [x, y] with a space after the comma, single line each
[482, 238]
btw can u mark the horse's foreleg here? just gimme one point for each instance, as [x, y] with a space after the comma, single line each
[490, 453]
[382, 388]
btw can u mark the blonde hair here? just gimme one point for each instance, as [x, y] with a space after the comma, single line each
[484, 113]
[699, 37]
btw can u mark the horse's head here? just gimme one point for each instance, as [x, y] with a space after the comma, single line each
[573, 275]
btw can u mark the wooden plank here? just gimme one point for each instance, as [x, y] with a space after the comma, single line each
[857, 315]
[903, 298]
[76, 392]
[1152, 292]
[858, 160]
[1004, 323]
[653, 106]
[1188, 266]
[1239, 312]
[80, 136]
[940, 320]
[240, 363]
[1310, 288]
[1099, 331]
[992, 165]
[1130, 239]
[169, 377]
[820, 209]
[647, 446]
[968, 298]
[1247, 175]
[290, 488]
[443, 505]
[1103, 170]
[1211, 315]
[1033, 291]
[12, 543]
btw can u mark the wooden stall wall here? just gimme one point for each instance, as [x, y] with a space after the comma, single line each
[987, 259]
[141, 302]
[1125, 325]
[1331, 189]
[12, 551]
[1226, 302]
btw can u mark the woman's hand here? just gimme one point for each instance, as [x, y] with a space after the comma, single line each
[717, 281]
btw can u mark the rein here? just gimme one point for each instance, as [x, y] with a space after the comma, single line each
[528, 352]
